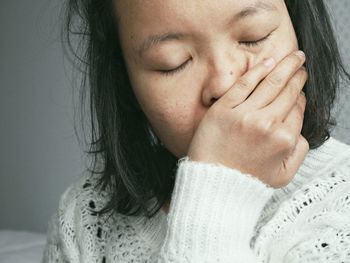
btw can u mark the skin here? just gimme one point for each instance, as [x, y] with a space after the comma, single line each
[216, 55]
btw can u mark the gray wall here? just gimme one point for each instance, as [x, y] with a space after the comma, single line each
[340, 10]
[39, 153]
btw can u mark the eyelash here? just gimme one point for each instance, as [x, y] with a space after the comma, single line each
[181, 67]
[255, 43]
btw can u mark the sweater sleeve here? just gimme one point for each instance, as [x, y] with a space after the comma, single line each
[314, 225]
[212, 214]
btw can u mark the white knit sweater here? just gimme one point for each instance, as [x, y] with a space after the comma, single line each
[217, 214]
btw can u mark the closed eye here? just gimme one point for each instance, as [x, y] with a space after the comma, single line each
[175, 70]
[183, 65]
[256, 42]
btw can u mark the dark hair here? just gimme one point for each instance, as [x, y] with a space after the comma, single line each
[135, 167]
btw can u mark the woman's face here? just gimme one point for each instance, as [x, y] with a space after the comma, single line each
[210, 40]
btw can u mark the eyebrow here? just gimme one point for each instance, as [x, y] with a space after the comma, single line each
[248, 11]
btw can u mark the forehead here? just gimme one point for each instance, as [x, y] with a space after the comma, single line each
[144, 7]
[139, 11]
[141, 18]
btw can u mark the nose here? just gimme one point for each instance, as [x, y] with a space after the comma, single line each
[222, 73]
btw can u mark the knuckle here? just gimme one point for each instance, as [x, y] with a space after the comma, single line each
[243, 84]
[259, 125]
[304, 143]
[294, 89]
[250, 122]
[246, 120]
[286, 140]
[274, 80]
[264, 126]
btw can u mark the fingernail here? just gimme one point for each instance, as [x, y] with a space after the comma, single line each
[300, 54]
[269, 62]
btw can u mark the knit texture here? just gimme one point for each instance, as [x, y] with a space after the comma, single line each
[217, 214]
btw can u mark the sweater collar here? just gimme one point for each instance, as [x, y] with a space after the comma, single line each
[152, 230]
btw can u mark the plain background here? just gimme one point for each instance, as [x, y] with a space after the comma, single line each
[39, 152]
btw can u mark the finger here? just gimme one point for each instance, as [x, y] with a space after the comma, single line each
[295, 118]
[241, 90]
[286, 100]
[275, 82]
[293, 124]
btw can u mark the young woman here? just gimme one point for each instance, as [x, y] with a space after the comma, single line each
[210, 135]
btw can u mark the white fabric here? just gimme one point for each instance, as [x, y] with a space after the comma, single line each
[217, 214]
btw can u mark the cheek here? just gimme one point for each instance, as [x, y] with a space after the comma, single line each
[286, 43]
[172, 116]
[173, 123]
[171, 105]
[171, 113]
[280, 51]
